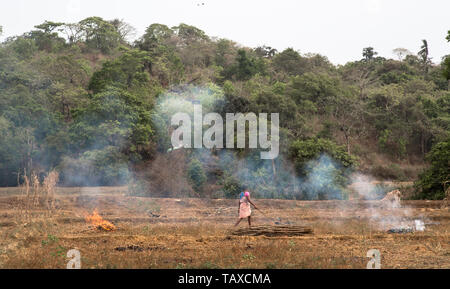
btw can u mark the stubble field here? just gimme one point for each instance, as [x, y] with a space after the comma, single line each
[197, 233]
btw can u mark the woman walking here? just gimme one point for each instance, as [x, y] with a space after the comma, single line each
[244, 209]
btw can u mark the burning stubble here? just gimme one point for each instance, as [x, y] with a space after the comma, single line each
[98, 222]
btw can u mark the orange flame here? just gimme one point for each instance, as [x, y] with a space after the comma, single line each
[97, 221]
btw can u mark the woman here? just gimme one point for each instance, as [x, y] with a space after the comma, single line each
[244, 209]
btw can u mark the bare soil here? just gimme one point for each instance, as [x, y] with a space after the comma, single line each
[197, 233]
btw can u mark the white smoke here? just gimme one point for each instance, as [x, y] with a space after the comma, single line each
[381, 215]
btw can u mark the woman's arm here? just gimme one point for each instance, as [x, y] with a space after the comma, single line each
[252, 203]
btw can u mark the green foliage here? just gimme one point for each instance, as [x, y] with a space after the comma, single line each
[231, 187]
[403, 115]
[154, 35]
[24, 47]
[423, 54]
[166, 65]
[265, 51]
[130, 70]
[99, 34]
[113, 118]
[302, 151]
[51, 239]
[432, 182]
[324, 180]
[391, 71]
[196, 174]
[446, 67]
[79, 97]
[14, 145]
[45, 38]
[290, 62]
[369, 53]
[224, 53]
[314, 91]
[104, 166]
[189, 34]
[245, 66]
[383, 139]
[323, 168]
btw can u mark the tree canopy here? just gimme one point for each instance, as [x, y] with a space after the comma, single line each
[81, 98]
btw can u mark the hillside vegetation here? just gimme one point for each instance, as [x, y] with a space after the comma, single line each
[82, 99]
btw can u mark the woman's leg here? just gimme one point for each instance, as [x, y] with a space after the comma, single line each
[249, 221]
[238, 221]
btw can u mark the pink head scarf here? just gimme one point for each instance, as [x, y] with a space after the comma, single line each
[247, 194]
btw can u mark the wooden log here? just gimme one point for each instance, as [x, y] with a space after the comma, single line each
[266, 230]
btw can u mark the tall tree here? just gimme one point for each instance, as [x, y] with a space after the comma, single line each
[423, 53]
[100, 34]
[368, 53]
[265, 51]
[46, 38]
[446, 64]
[155, 35]
[126, 31]
[401, 53]
[189, 34]
[127, 71]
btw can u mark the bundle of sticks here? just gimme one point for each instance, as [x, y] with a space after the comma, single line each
[273, 231]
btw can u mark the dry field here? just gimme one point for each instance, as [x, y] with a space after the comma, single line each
[196, 233]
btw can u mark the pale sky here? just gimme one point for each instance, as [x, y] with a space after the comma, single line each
[338, 29]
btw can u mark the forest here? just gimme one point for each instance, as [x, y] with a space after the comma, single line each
[87, 101]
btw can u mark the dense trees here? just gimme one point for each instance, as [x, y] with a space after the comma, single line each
[129, 71]
[99, 34]
[80, 98]
[433, 182]
[245, 67]
[290, 62]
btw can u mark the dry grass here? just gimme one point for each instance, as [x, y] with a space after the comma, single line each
[196, 233]
[36, 199]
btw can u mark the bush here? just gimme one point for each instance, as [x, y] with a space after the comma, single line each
[431, 182]
[95, 168]
[230, 187]
[323, 168]
[196, 175]
[302, 151]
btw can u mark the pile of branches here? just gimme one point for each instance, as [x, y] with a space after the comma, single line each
[273, 231]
